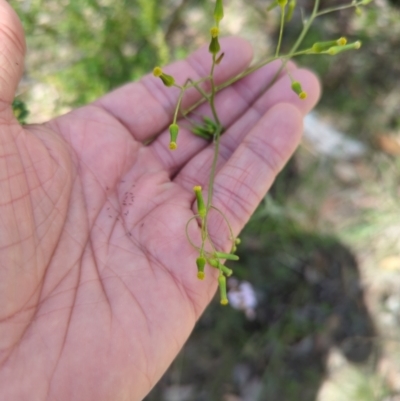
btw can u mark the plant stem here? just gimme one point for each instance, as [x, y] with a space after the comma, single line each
[216, 136]
[278, 47]
[333, 9]
[305, 28]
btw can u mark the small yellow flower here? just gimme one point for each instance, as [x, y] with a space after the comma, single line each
[214, 31]
[157, 72]
[167, 80]
[296, 87]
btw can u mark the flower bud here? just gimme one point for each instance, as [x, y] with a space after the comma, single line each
[223, 255]
[218, 265]
[214, 47]
[222, 289]
[157, 71]
[173, 132]
[338, 49]
[290, 10]
[320, 47]
[201, 262]
[201, 208]
[214, 31]
[282, 3]
[213, 262]
[296, 87]
[168, 80]
[218, 11]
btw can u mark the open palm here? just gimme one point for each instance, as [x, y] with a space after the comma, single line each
[98, 284]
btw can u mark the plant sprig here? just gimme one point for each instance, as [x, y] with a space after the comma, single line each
[209, 254]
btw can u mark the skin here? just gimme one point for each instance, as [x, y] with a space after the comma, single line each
[98, 284]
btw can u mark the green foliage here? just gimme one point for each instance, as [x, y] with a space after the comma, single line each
[103, 43]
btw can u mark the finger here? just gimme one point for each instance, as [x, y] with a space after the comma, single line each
[197, 170]
[12, 52]
[146, 107]
[231, 103]
[244, 180]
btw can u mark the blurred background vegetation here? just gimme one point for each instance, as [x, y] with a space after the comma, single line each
[323, 250]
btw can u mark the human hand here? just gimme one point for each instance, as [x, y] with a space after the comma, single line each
[98, 285]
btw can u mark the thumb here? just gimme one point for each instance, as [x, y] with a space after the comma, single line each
[12, 51]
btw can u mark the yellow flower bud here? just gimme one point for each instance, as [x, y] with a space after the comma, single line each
[320, 47]
[282, 3]
[173, 131]
[167, 79]
[214, 31]
[201, 262]
[296, 87]
[222, 289]
[338, 49]
[201, 208]
[157, 71]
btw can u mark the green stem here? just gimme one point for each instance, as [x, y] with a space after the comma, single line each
[196, 85]
[292, 53]
[216, 136]
[299, 40]
[278, 47]
[305, 28]
[178, 105]
[333, 9]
